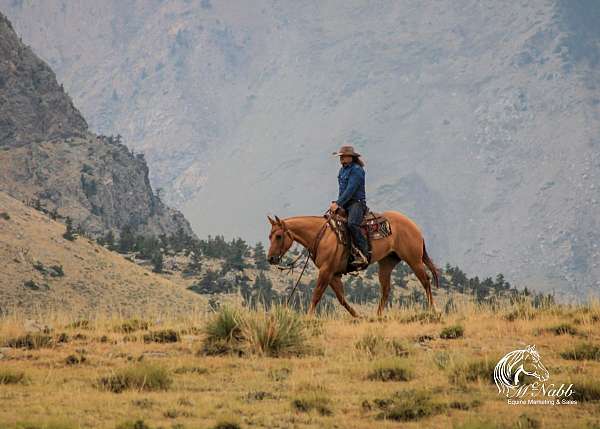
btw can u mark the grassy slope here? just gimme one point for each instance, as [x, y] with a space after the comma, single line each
[337, 372]
[95, 279]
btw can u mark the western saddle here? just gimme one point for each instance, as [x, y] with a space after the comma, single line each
[374, 226]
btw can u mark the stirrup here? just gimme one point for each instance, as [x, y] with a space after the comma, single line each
[362, 259]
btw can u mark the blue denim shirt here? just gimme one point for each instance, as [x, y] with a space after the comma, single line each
[351, 180]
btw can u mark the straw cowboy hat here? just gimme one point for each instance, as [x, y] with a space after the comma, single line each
[349, 150]
[346, 150]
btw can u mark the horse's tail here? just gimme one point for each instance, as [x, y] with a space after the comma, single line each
[427, 260]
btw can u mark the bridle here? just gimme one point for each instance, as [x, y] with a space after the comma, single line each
[281, 252]
[309, 255]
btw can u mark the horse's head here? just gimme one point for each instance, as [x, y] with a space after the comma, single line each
[532, 365]
[281, 240]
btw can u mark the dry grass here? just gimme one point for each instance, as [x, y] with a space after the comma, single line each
[76, 276]
[368, 373]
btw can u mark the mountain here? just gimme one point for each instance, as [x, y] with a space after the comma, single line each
[48, 155]
[479, 120]
[41, 271]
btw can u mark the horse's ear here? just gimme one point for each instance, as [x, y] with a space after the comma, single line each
[531, 348]
[277, 219]
[271, 220]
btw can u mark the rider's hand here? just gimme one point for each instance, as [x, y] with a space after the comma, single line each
[333, 207]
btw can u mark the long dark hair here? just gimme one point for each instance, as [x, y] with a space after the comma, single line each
[358, 161]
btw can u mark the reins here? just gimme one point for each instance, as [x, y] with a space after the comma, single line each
[314, 247]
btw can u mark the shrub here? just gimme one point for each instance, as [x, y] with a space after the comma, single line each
[585, 390]
[164, 336]
[374, 345]
[223, 332]
[583, 351]
[30, 341]
[452, 332]
[279, 374]
[143, 403]
[562, 329]
[461, 405]
[426, 316]
[8, 376]
[442, 359]
[56, 271]
[31, 284]
[141, 377]
[132, 325]
[190, 370]
[279, 332]
[79, 324]
[312, 401]
[259, 395]
[226, 424]
[138, 424]
[391, 370]
[411, 406]
[527, 422]
[471, 371]
[4, 216]
[75, 359]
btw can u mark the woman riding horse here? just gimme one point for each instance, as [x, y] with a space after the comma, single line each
[314, 233]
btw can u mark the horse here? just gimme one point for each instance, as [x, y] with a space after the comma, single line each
[405, 243]
[517, 363]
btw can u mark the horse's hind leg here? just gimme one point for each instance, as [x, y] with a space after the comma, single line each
[338, 287]
[386, 266]
[421, 273]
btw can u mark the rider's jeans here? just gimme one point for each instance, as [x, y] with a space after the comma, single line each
[356, 212]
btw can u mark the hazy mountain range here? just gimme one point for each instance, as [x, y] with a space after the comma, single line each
[478, 119]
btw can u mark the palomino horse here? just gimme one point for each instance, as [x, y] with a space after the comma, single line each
[314, 233]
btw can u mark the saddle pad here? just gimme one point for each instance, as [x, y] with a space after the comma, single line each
[374, 227]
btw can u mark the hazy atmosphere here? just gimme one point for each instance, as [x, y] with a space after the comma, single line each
[184, 234]
[479, 120]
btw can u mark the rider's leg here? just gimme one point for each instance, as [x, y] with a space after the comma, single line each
[355, 216]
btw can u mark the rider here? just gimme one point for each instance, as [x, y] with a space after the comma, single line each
[352, 197]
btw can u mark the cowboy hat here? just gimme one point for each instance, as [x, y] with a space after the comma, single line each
[346, 150]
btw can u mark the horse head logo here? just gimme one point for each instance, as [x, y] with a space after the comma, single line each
[515, 364]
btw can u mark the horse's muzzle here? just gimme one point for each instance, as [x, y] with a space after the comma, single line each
[274, 259]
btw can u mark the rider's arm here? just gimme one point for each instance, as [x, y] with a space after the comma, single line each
[353, 184]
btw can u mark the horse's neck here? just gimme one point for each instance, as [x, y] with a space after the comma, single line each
[305, 229]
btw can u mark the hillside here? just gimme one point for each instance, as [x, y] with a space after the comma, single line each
[48, 156]
[477, 120]
[42, 272]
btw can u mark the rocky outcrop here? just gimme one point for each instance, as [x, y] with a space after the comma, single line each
[47, 153]
[33, 106]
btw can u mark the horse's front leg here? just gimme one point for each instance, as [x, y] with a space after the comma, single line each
[325, 276]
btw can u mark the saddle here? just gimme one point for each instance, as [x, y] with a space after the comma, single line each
[374, 226]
